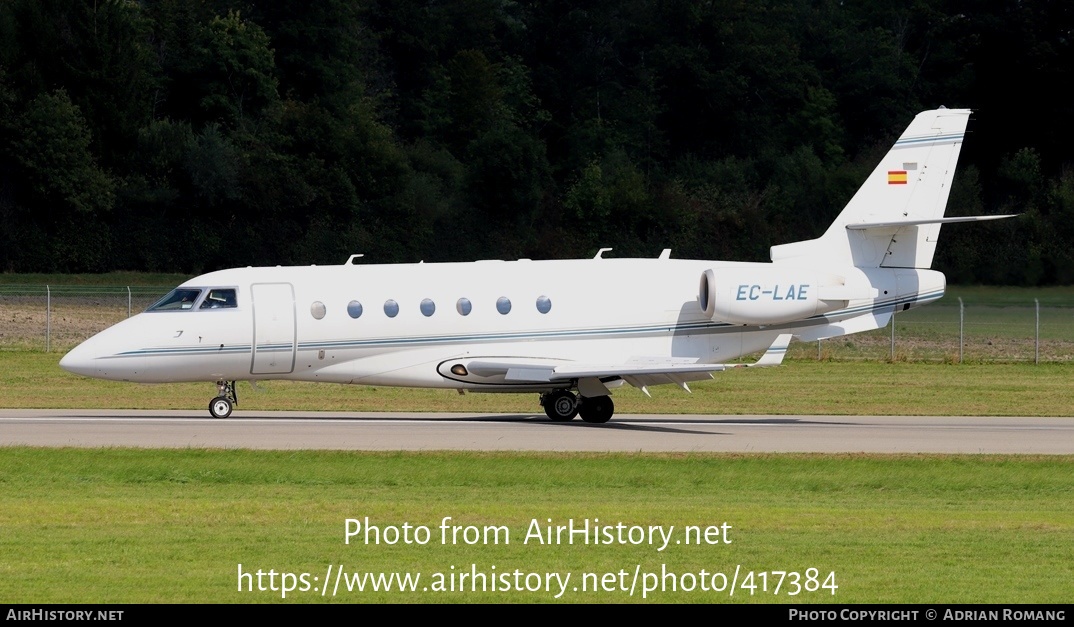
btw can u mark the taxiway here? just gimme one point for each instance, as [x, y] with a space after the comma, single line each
[523, 432]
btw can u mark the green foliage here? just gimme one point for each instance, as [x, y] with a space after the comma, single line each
[52, 148]
[473, 98]
[202, 135]
[213, 164]
[97, 53]
[1059, 206]
[588, 199]
[51, 153]
[965, 251]
[236, 70]
[613, 196]
[509, 176]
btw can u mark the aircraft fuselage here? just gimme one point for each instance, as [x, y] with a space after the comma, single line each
[398, 324]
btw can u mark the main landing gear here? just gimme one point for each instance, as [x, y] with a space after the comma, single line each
[221, 406]
[563, 406]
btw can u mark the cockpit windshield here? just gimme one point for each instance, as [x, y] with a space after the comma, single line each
[184, 298]
[219, 299]
[179, 299]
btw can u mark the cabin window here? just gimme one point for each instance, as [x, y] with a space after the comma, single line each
[544, 304]
[503, 305]
[318, 309]
[463, 306]
[391, 308]
[428, 307]
[179, 299]
[220, 299]
[354, 309]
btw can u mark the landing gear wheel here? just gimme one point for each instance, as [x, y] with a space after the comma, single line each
[226, 400]
[560, 406]
[220, 407]
[596, 409]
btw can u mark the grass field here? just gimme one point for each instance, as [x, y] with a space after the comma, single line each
[125, 526]
[33, 380]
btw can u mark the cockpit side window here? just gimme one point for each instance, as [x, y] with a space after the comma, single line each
[220, 298]
[179, 299]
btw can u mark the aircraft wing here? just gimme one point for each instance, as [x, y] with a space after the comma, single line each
[640, 372]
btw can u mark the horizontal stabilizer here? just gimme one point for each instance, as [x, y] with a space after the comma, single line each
[902, 223]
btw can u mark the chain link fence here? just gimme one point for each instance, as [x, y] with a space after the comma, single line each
[954, 330]
[57, 317]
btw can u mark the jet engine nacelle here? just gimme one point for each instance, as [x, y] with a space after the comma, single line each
[768, 295]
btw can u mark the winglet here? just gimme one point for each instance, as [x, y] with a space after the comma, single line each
[775, 353]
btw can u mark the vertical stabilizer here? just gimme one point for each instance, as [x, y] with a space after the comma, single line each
[894, 219]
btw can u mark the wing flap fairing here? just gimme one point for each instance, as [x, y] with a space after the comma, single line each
[640, 372]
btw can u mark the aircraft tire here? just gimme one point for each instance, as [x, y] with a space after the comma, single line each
[597, 409]
[560, 406]
[220, 407]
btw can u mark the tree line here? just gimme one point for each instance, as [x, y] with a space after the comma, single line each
[166, 135]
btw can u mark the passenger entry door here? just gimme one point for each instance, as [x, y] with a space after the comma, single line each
[274, 328]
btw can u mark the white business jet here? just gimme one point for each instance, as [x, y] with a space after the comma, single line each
[569, 330]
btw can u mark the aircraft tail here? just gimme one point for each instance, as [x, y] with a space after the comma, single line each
[894, 219]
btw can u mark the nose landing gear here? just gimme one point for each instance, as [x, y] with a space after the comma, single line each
[221, 406]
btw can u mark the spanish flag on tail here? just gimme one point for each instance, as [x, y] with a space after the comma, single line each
[896, 177]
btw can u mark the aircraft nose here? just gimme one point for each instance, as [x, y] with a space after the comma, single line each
[79, 360]
[107, 355]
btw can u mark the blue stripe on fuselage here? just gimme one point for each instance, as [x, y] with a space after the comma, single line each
[638, 331]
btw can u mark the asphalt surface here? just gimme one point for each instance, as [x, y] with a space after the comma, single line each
[530, 432]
